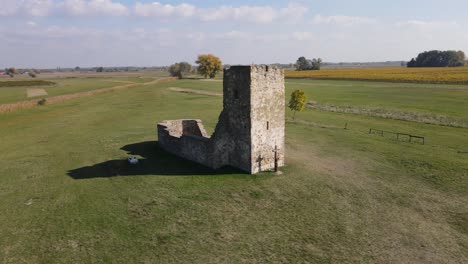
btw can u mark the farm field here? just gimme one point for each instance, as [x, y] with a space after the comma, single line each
[458, 75]
[68, 194]
[14, 93]
[16, 83]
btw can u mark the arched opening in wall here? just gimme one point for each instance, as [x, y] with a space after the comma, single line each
[268, 125]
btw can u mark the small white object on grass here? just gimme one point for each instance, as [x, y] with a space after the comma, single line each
[133, 160]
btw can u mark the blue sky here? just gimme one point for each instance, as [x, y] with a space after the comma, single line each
[69, 33]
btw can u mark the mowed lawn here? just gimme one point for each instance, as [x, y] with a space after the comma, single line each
[68, 196]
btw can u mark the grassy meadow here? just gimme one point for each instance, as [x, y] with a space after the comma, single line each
[69, 196]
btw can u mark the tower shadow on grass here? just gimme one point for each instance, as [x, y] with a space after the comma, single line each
[155, 161]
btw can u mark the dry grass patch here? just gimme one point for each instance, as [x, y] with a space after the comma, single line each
[425, 118]
[391, 218]
[36, 92]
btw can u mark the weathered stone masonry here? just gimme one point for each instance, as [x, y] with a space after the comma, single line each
[250, 131]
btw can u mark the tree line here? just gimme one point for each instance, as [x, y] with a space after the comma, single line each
[437, 58]
[303, 64]
[208, 66]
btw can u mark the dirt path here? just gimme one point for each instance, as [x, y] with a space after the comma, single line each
[5, 108]
[192, 91]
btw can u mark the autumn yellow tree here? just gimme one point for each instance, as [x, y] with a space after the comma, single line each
[208, 65]
[297, 101]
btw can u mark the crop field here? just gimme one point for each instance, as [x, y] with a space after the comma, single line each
[346, 196]
[457, 75]
[17, 83]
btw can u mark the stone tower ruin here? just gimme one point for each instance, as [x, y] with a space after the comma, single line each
[250, 131]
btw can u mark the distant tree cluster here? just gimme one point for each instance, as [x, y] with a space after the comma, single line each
[303, 64]
[209, 65]
[11, 71]
[437, 58]
[180, 69]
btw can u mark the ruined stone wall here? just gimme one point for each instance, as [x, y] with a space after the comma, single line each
[250, 130]
[187, 139]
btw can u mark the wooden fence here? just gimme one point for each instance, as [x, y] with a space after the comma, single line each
[399, 136]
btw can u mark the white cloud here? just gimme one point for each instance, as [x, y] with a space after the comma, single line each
[302, 36]
[163, 10]
[426, 25]
[38, 7]
[233, 35]
[342, 20]
[294, 11]
[9, 7]
[41, 8]
[248, 13]
[26, 7]
[257, 14]
[93, 7]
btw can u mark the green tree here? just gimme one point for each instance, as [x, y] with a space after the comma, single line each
[437, 58]
[99, 69]
[316, 64]
[209, 65]
[297, 101]
[180, 69]
[302, 64]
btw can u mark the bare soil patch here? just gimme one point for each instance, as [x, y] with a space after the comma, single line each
[36, 92]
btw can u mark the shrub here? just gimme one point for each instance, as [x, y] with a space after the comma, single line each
[43, 101]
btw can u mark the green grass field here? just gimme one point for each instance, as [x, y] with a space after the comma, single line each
[68, 195]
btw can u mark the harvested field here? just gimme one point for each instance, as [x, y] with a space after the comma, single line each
[35, 92]
[411, 75]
